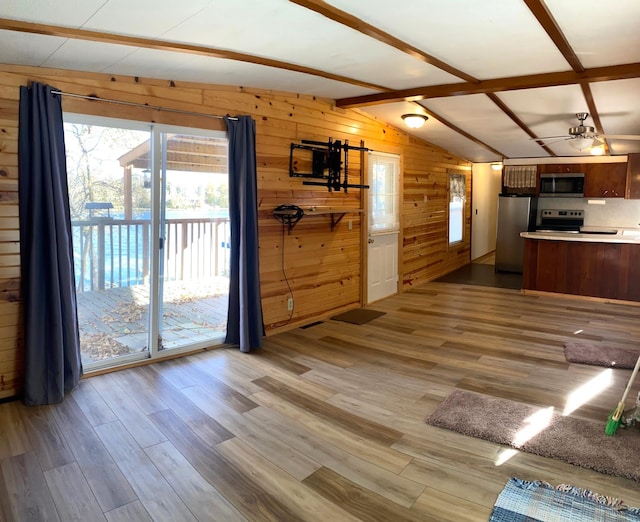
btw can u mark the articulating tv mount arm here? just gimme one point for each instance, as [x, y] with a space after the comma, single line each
[327, 157]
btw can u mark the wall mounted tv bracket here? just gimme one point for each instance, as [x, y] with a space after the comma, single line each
[326, 164]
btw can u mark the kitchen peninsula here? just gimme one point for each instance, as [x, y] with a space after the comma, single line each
[595, 262]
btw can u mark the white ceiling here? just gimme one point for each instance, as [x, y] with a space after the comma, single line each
[462, 42]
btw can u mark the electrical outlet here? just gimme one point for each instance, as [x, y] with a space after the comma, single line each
[290, 304]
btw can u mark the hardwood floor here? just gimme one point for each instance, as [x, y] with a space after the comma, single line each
[325, 423]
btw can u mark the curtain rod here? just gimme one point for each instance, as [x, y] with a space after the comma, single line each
[141, 105]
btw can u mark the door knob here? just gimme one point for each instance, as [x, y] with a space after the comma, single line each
[371, 241]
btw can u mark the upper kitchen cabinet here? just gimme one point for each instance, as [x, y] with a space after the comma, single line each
[633, 176]
[558, 168]
[605, 180]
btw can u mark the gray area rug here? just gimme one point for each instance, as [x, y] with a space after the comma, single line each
[576, 441]
[610, 357]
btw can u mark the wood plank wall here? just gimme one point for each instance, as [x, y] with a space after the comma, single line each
[323, 266]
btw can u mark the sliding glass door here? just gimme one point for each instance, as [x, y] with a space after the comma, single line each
[150, 231]
[194, 246]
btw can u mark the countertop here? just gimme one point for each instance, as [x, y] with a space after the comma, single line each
[589, 235]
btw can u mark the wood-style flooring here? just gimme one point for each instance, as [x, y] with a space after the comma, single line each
[324, 424]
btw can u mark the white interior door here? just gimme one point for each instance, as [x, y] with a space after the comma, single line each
[384, 225]
[383, 266]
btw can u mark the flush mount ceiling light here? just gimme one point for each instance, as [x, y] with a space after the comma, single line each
[496, 166]
[414, 121]
[597, 149]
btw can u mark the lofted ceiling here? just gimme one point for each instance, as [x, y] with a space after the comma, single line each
[492, 75]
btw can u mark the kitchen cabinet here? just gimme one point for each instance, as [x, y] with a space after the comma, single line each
[605, 180]
[558, 168]
[633, 176]
[596, 269]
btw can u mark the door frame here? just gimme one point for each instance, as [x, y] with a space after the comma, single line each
[155, 134]
[364, 224]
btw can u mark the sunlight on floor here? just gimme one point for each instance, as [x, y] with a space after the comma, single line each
[542, 418]
[588, 391]
[532, 425]
[504, 455]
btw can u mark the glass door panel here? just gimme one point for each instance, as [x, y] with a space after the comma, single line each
[194, 255]
[108, 170]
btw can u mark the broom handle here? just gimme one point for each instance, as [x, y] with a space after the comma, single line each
[630, 383]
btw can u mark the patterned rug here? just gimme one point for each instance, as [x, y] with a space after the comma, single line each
[610, 357]
[524, 501]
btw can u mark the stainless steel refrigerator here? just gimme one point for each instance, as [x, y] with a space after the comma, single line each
[515, 214]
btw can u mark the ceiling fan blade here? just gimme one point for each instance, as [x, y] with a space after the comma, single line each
[561, 139]
[620, 136]
[564, 136]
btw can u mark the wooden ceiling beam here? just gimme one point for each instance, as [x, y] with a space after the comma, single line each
[344, 18]
[514, 83]
[593, 112]
[460, 131]
[495, 99]
[549, 24]
[176, 47]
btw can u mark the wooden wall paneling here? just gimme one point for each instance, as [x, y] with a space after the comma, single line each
[630, 281]
[603, 270]
[324, 266]
[530, 268]
[586, 260]
[616, 282]
[11, 358]
[361, 227]
[551, 274]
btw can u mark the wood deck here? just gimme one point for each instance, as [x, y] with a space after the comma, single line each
[115, 321]
[324, 423]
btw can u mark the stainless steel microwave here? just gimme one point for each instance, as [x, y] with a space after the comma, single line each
[568, 185]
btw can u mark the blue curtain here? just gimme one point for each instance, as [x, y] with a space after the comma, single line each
[245, 326]
[51, 339]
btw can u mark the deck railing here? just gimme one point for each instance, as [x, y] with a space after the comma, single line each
[110, 253]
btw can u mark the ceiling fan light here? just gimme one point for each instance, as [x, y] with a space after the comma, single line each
[581, 143]
[597, 149]
[414, 121]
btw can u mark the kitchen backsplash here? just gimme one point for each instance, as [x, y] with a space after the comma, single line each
[616, 212]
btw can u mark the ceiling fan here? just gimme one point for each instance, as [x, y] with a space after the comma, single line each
[584, 136]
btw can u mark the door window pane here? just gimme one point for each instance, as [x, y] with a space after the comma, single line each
[111, 235]
[457, 198]
[194, 272]
[384, 214]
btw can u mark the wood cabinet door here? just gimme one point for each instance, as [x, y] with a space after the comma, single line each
[558, 168]
[633, 176]
[605, 180]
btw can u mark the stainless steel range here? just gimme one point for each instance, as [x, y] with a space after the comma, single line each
[564, 220]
